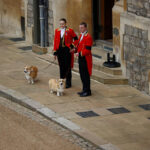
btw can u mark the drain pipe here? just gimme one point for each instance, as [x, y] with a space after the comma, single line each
[46, 22]
[42, 23]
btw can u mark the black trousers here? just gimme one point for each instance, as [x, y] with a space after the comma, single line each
[64, 60]
[84, 74]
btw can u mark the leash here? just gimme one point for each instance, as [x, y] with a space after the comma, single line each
[48, 65]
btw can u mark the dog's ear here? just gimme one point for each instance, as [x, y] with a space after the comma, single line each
[31, 69]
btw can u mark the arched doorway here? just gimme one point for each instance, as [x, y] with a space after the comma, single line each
[102, 19]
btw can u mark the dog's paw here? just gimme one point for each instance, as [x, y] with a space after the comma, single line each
[58, 94]
[32, 82]
[51, 92]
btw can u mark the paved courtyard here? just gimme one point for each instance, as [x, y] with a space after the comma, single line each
[112, 116]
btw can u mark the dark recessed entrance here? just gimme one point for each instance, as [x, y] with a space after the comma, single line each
[102, 19]
[37, 25]
[36, 31]
[23, 26]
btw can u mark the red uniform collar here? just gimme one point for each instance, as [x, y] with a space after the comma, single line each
[66, 29]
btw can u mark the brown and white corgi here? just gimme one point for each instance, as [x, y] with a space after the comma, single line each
[31, 73]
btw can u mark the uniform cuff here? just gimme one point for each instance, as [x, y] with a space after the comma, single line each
[72, 46]
[55, 53]
[75, 38]
[88, 47]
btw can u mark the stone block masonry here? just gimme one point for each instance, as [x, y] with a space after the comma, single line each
[137, 57]
[30, 13]
[50, 24]
[139, 7]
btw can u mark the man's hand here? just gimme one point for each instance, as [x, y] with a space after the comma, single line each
[55, 57]
[76, 54]
[72, 50]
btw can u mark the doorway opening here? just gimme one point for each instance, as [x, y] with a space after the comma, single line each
[37, 23]
[36, 29]
[23, 26]
[102, 19]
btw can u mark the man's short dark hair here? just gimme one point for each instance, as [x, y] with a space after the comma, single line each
[63, 19]
[84, 23]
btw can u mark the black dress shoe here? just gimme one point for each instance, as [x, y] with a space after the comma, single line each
[68, 86]
[79, 93]
[85, 94]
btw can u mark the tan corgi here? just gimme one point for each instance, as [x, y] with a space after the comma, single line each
[57, 85]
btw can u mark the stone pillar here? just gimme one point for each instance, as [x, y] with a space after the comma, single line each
[135, 44]
[125, 5]
[50, 23]
[117, 10]
[136, 55]
[29, 21]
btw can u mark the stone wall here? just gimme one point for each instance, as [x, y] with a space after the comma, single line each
[137, 57]
[50, 24]
[30, 13]
[10, 17]
[75, 11]
[139, 7]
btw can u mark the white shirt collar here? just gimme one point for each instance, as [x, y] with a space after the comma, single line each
[62, 29]
[83, 35]
[62, 32]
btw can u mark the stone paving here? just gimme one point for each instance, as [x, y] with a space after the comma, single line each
[26, 115]
[120, 122]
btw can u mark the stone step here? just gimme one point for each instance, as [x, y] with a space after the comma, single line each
[100, 53]
[104, 45]
[105, 78]
[98, 65]
[100, 73]
[99, 57]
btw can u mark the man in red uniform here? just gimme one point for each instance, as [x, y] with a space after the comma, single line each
[63, 44]
[83, 47]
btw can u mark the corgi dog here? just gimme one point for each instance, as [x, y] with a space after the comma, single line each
[57, 85]
[31, 73]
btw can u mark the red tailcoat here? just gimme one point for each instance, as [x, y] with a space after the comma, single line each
[84, 47]
[70, 39]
